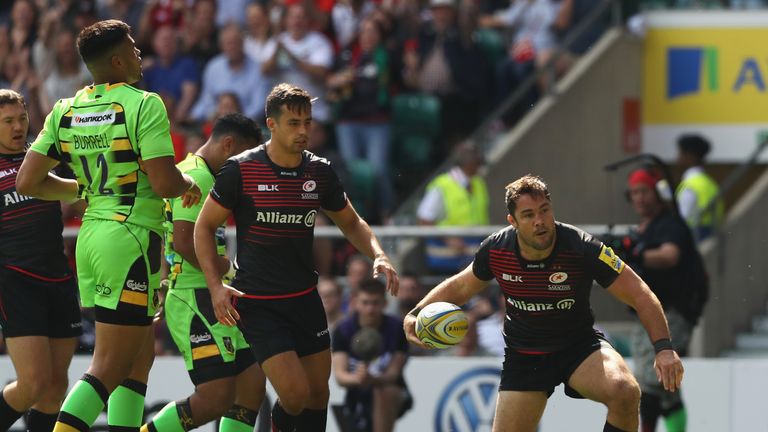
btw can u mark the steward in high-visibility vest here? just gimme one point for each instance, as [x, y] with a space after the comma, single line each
[458, 197]
[697, 189]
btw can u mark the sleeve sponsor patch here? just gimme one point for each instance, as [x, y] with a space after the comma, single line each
[611, 259]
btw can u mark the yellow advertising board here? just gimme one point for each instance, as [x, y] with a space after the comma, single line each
[707, 73]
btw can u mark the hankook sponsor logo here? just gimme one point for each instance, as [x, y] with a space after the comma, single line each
[93, 119]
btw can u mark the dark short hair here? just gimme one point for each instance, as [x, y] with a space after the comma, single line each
[292, 97]
[238, 125]
[526, 185]
[9, 97]
[694, 144]
[99, 39]
[373, 287]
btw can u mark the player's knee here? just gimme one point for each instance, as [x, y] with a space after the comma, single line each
[33, 387]
[218, 396]
[389, 393]
[318, 397]
[58, 386]
[626, 395]
[295, 398]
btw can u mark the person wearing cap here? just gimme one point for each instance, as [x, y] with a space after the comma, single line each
[458, 197]
[697, 189]
[663, 252]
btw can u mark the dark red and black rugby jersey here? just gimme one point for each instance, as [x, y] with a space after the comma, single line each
[30, 229]
[275, 210]
[547, 302]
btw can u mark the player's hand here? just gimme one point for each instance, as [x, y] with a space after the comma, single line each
[669, 369]
[382, 266]
[225, 311]
[409, 327]
[362, 376]
[191, 197]
[162, 294]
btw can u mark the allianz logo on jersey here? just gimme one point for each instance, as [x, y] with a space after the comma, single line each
[93, 119]
[564, 304]
[277, 217]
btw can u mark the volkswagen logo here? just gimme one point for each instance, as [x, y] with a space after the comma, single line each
[468, 403]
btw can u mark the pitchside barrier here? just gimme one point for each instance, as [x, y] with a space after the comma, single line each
[459, 395]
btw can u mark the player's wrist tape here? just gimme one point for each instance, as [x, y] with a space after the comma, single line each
[415, 311]
[663, 345]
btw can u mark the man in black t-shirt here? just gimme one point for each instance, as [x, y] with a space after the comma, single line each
[274, 192]
[662, 250]
[546, 269]
[39, 311]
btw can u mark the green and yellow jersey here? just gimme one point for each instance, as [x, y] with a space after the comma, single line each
[184, 275]
[104, 133]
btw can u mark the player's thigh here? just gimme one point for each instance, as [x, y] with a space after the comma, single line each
[318, 369]
[519, 411]
[62, 350]
[211, 350]
[286, 374]
[119, 267]
[602, 376]
[250, 387]
[116, 350]
[31, 357]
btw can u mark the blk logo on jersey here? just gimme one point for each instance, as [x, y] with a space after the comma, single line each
[511, 278]
[93, 119]
[268, 188]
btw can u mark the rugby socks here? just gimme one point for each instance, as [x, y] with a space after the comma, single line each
[174, 417]
[312, 420]
[8, 415]
[38, 421]
[650, 409]
[611, 428]
[238, 419]
[82, 405]
[281, 420]
[125, 408]
[677, 420]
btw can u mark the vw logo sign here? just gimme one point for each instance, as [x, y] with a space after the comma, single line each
[468, 403]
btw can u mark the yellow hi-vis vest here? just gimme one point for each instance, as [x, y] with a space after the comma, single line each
[462, 207]
[705, 189]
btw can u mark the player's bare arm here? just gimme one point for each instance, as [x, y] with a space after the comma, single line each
[359, 233]
[631, 290]
[457, 289]
[34, 179]
[184, 245]
[211, 216]
[168, 182]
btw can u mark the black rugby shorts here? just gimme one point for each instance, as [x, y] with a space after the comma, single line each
[544, 372]
[273, 326]
[34, 307]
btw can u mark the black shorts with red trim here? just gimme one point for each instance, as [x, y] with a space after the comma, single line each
[544, 372]
[273, 324]
[36, 306]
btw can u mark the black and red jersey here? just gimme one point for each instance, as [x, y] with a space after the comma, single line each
[275, 210]
[547, 302]
[30, 229]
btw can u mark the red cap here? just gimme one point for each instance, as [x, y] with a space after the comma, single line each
[643, 176]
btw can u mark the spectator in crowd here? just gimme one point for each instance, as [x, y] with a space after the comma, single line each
[346, 16]
[159, 14]
[200, 35]
[411, 292]
[302, 57]
[569, 15]
[376, 392]
[259, 42]
[458, 197]
[697, 189]
[231, 11]
[68, 75]
[662, 251]
[532, 44]
[127, 11]
[358, 270]
[331, 293]
[446, 62]
[17, 74]
[360, 88]
[172, 73]
[23, 31]
[232, 71]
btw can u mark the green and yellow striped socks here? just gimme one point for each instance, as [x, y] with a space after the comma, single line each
[238, 419]
[82, 406]
[125, 408]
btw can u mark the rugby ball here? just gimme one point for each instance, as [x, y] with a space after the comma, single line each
[441, 325]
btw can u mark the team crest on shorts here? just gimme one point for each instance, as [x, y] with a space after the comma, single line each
[228, 345]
